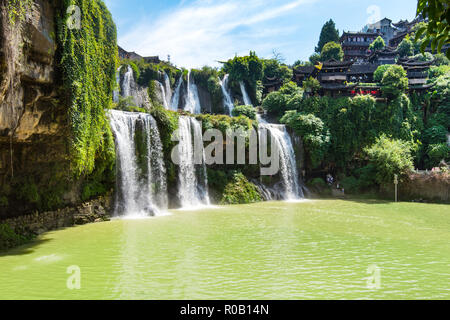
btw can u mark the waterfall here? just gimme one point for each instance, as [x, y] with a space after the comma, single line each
[288, 163]
[168, 89]
[245, 96]
[141, 174]
[176, 97]
[128, 79]
[193, 180]
[163, 94]
[227, 101]
[116, 93]
[192, 101]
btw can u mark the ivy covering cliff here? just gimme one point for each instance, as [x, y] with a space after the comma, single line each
[88, 61]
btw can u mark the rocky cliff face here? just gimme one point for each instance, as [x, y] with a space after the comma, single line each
[33, 123]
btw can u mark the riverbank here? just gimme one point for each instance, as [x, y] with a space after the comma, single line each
[315, 249]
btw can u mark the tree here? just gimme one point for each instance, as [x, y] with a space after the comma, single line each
[405, 48]
[394, 82]
[316, 137]
[332, 50]
[379, 73]
[390, 157]
[273, 69]
[311, 85]
[329, 33]
[275, 103]
[314, 58]
[437, 33]
[248, 111]
[377, 44]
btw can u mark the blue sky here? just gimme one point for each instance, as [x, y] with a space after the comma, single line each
[202, 32]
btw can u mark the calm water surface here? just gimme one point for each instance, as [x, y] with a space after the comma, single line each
[309, 250]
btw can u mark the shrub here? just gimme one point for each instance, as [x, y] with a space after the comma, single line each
[247, 111]
[437, 153]
[405, 48]
[316, 137]
[377, 44]
[10, 239]
[379, 73]
[275, 103]
[394, 82]
[311, 85]
[390, 157]
[332, 50]
[240, 191]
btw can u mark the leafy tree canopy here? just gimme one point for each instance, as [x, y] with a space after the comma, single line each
[394, 82]
[377, 44]
[437, 33]
[329, 33]
[332, 50]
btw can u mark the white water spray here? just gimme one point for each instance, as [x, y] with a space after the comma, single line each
[141, 174]
[192, 177]
[193, 100]
[245, 96]
[227, 101]
[176, 97]
[288, 163]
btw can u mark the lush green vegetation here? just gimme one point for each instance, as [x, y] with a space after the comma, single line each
[437, 31]
[17, 10]
[247, 111]
[332, 50]
[394, 82]
[88, 64]
[240, 191]
[377, 44]
[10, 239]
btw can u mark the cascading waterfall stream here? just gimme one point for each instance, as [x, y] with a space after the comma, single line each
[193, 180]
[141, 174]
[164, 97]
[168, 89]
[176, 97]
[128, 79]
[288, 163]
[245, 96]
[193, 100]
[227, 100]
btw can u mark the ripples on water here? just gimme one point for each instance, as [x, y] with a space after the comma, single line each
[310, 250]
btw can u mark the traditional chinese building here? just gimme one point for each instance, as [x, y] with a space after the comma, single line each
[417, 71]
[272, 84]
[346, 78]
[356, 45]
[386, 56]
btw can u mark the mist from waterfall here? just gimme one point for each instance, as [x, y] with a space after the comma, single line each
[192, 99]
[141, 174]
[245, 96]
[176, 96]
[192, 176]
[227, 100]
[288, 164]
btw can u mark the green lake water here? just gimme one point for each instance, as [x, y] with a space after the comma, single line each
[307, 250]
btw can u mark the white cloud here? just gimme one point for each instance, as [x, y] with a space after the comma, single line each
[206, 31]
